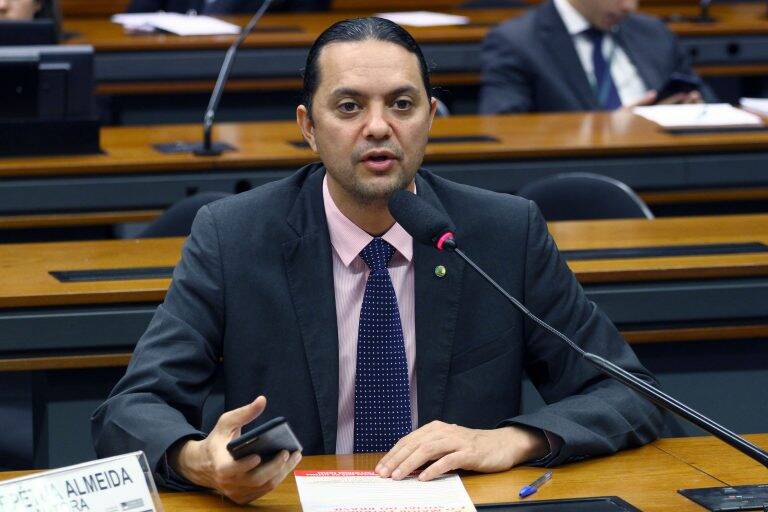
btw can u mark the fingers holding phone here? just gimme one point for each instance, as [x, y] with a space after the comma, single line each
[208, 462]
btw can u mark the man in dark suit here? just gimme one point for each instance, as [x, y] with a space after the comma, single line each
[224, 6]
[569, 55]
[306, 291]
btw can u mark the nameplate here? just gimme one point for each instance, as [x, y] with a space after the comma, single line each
[117, 484]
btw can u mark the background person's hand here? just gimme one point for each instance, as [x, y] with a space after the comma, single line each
[453, 447]
[208, 463]
[676, 99]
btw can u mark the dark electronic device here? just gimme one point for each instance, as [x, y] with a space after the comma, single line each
[431, 227]
[27, 33]
[46, 101]
[729, 499]
[678, 83]
[266, 440]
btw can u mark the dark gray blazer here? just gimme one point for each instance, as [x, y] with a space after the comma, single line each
[225, 6]
[530, 63]
[253, 296]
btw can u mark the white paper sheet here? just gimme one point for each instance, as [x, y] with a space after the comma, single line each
[179, 24]
[759, 105]
[424, 18]
[364, 491]
[698, 116]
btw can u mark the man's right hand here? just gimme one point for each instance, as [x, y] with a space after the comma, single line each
[208, 463]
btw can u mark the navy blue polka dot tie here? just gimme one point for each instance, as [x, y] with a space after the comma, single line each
[382, 397]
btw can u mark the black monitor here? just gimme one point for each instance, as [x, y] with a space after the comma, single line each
[27, 33]
[46, 100]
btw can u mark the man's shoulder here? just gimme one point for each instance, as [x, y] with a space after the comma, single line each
[518, 29]
[646, 24]
[465, 202]
[262, 212]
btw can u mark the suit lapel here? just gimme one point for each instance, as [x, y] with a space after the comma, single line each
[633, 44]
[309, 268]
[559, 44]
[437, 304]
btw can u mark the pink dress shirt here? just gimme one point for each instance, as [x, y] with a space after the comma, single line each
[350, 274]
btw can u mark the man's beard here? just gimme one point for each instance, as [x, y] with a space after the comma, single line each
[378, 193]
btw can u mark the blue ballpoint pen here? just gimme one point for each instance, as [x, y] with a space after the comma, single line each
[534, 486]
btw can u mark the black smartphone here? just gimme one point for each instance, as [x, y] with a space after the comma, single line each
[678, 83]
[266, 440]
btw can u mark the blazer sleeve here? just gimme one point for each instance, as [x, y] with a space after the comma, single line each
[591, 413]
[159, 400]
[506, 86]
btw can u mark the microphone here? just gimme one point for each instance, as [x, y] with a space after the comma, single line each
[207, 147]
[429, 226]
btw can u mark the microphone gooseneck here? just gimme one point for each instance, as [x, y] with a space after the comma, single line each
[208, 148]
[426, 224]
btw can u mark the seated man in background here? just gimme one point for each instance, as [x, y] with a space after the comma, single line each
[306, 291]
[224, 6]
[24, 10]
[570, 55]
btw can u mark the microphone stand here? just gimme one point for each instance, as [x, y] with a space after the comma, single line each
[208, 148]
[630, 380]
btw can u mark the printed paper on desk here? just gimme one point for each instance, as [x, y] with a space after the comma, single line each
[698, 116]
[364, 491]
[424, 18]
[759, 105]
[179, 24]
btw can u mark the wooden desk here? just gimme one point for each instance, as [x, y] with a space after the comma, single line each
[646, 477]
[736, 44]
[719, 460]
[47, 324]
[502, 153]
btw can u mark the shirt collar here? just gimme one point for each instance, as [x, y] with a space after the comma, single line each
[348, 239]
[575, 22]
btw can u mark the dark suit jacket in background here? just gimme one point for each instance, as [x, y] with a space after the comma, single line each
[226, 6]
[254, 289]
[530, 63]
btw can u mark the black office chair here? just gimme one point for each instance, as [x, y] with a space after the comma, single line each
[582, 196]
[177, 219]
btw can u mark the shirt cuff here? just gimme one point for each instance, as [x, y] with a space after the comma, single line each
[169, 478]
[555, 443]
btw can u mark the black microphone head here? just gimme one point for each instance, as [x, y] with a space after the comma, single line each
[424, 222]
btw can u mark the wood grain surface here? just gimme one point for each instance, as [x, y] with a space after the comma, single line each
[646, 477]
[25, 280]
[270, 144]
[731, 19]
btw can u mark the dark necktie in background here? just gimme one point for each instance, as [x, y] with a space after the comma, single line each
[607, 94]
[382, 391]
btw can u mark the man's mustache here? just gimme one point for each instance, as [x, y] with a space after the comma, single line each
[357, 153]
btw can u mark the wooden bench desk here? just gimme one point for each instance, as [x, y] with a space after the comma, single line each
[499, 153]
[49, 324]
[646, 477]
[736, 44]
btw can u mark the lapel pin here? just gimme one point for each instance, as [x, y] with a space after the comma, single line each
[440, 271]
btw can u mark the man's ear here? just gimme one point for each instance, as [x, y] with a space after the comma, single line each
[306, 126]
[432, 110]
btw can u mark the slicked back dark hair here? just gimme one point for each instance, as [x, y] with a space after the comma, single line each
[353, 30]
